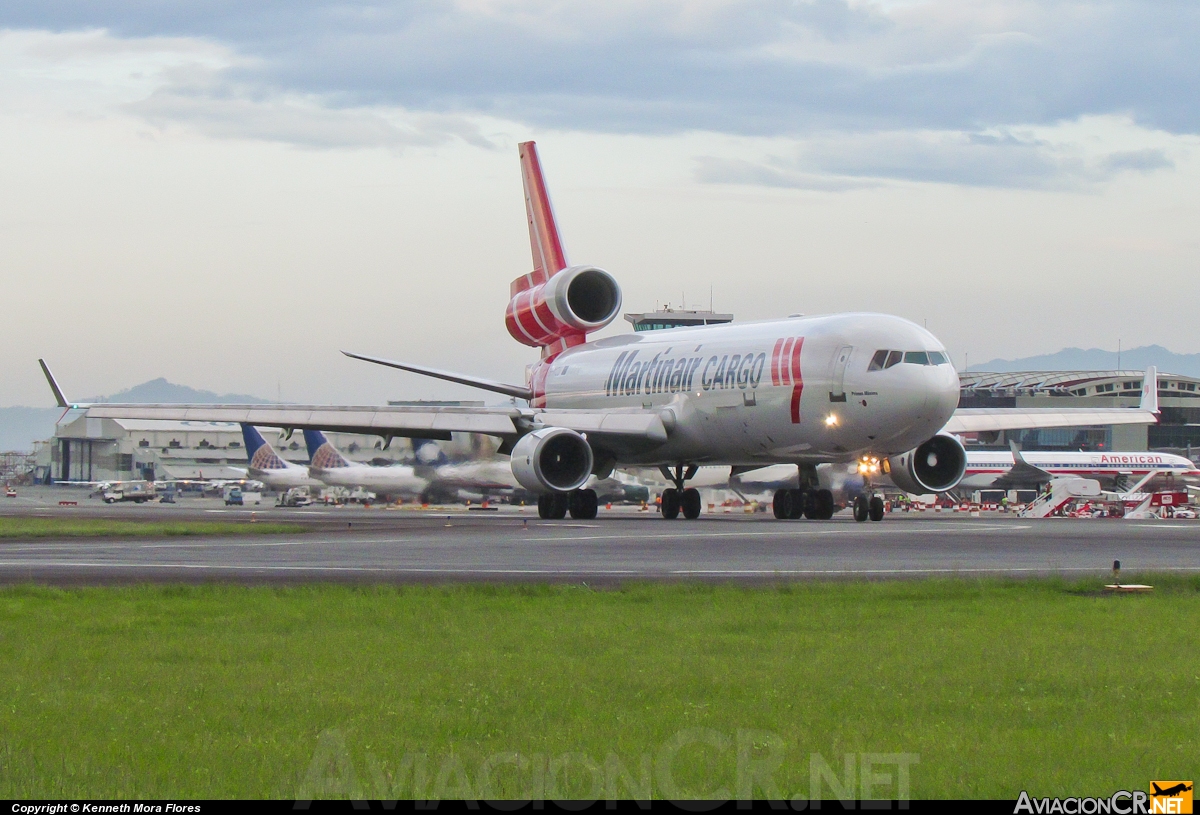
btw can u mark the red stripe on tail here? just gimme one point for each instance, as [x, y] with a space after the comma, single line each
[548, 255]
[775, 362]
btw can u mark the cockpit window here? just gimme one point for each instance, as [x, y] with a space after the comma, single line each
[886, 359]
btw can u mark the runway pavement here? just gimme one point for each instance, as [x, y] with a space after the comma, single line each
[373, 545]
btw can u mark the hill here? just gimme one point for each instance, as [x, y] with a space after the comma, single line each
[21, 426]
[1097, 359]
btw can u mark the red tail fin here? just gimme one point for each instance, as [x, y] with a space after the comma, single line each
[548, 255]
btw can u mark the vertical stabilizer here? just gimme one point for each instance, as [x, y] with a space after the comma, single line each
[259, 453]
[548, 255]
[1149, 401]
[322, 454]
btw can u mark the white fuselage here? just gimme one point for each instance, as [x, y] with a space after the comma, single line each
[394, 480]
[734, 396]
[293, 475]
[985, 467]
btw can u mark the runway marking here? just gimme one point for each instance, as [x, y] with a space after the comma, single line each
[752, 572]
[1166, 525]
[579, 571]
[795, 533]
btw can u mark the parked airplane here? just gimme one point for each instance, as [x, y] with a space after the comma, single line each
[803, 391]
[333, 469]
[269, 467]
[1030, 470]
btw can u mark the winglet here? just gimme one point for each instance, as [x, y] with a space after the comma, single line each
[1015, 448]
[58, 394]
[1150, 391]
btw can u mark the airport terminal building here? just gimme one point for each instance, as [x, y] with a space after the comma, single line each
[86, 449]
[1178, 428]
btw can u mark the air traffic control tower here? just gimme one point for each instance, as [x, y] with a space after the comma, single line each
[675, 317]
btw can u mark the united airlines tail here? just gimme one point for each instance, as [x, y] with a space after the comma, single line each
[259, 453]
[322, 454]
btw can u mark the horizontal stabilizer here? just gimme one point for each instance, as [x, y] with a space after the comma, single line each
[462, 379]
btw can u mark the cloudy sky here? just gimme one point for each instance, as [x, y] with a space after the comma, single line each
[227, 193]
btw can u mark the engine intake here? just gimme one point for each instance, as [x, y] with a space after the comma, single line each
[553, 459]
[934, 466]
[574, 301]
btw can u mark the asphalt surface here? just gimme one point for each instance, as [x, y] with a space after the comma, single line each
[354, 544]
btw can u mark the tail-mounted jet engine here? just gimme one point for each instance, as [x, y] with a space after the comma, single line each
[573, 302]
[553, 459]
[935, 466]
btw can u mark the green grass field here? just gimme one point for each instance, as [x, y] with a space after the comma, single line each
[23, 527]
[982, 688]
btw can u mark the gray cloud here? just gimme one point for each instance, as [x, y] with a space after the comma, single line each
[777, 68]
[203, 101]
[842, 161]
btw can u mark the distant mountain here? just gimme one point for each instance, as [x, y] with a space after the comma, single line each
[21, 426]
[160, 390]
[1096, 359]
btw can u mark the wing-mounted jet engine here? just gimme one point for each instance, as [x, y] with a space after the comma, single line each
[556, 463]
[553, 459]
[936, 465]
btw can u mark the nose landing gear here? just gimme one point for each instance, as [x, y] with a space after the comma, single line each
[865, 508]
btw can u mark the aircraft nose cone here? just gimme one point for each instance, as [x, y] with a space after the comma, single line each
[944, 392]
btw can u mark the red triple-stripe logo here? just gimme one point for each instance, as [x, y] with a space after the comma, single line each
[785, 370]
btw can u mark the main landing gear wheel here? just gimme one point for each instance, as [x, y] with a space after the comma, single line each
[552, 506]
[876, 508]
[789, 504]
[669, 505]
[861, 508]
[691, 503]
[820, 505]
[583, 504]
[799, 502]
[781, 505]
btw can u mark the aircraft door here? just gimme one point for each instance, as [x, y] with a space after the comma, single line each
[837, 380]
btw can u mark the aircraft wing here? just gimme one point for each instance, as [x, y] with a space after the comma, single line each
[623, 428]
[641, 428]
[971, 420]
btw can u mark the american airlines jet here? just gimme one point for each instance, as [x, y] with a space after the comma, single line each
[803, 391]
[1017, 469]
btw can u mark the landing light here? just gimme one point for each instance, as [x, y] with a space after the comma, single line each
[831, 420]
[868, 465]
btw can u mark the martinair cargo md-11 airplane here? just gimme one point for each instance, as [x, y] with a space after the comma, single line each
[801, 391]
